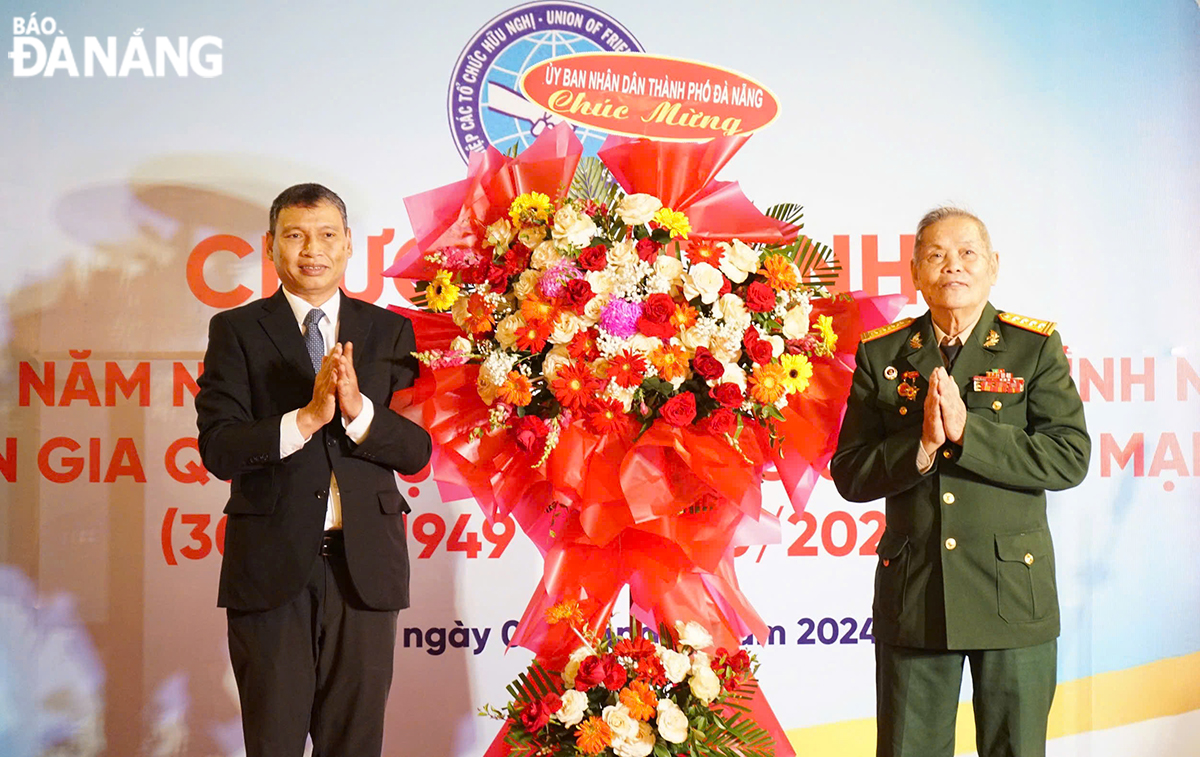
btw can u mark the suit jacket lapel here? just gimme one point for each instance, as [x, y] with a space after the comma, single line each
[280, 324]
[975, 358]
[353, 326]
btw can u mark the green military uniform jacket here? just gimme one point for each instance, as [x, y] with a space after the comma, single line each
[966, 560]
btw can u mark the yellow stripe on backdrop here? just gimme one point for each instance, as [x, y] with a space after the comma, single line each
[1158, 689]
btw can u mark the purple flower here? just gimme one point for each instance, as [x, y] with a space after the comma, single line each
[620, 317]
[556, 276]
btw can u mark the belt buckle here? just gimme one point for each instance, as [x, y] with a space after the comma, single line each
[331, 543]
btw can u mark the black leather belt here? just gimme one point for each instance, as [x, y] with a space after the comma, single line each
[333, 543]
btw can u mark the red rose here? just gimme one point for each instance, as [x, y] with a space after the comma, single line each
[720, 422]
[498, 278]
[529, 431]
[740, 662]
[706, 365]
[592, 671]
[476, 274]
[647, 249]
[727, 394]
[593, 258]
[577, 293]
[536, 714]
[680, 410]
[760, 297]
[760, 349]
[615, 676]
[726, 287]
[516, 259]
[656, 316]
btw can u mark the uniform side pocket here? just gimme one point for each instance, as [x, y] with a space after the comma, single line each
[1025, 589]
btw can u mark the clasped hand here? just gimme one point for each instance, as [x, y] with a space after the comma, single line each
[945, 413]
[336, 385]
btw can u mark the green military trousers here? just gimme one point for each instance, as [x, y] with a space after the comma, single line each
[917, 694]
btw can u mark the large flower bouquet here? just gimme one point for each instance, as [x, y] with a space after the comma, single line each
[614, 353]
[633, 697]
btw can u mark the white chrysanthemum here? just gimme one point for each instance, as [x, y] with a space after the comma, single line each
[638, 209]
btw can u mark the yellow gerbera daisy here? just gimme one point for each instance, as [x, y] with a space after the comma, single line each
[441, 292]
[532, 207]
[824, 327]
[797, 372]
[673, 221]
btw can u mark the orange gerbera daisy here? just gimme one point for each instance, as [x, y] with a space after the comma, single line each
[780, 273]
[768, 383]
[517, 390]
[480, 318]
[684, 316]
[593, 736]
[574, 385]
[705, 252]
[567, 611]
[640, 700]
[627, 368]
[534, 308]
[607, 416]
[533, 335]
[671, 360]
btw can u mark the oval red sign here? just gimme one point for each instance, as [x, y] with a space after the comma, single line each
[640, 95]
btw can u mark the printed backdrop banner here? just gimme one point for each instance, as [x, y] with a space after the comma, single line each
[143, 143]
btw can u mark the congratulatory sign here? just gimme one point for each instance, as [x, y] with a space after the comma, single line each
[640, 95]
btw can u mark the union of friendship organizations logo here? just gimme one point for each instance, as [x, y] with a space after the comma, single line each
[485, 102]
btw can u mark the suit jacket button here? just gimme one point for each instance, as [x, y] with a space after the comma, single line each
[947, 454]
[1028, 559]
[948, 498]
[950, 543]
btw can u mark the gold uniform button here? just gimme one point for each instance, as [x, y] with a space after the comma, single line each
[948, 498]
[950, 543]
[1028, 559]
[903, 410]
[997, 405]
[947, 454]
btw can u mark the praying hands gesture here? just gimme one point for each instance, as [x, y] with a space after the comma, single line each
[945, 413]
[336, 385]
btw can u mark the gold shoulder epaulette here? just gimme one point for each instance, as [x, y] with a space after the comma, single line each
[1045, 328]
[885, 330]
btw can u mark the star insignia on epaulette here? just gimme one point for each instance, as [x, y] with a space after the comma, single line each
[1045, 328]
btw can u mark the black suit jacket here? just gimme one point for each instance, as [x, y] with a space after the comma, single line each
[257, 369]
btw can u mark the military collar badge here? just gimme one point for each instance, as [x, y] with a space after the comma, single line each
[992, 339]
[915, 342]
[998, 380]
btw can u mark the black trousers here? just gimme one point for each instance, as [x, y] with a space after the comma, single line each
[917, 699]
[320, 665]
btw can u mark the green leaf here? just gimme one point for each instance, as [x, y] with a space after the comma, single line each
[593, 181]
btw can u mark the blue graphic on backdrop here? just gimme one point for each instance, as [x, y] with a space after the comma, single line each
[485, 103]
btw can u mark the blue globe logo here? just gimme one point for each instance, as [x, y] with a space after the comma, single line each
[485, 102]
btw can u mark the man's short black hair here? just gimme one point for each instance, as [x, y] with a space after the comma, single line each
[305, 196]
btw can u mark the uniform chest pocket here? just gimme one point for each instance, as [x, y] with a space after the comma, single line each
[1002, 407]
[901, 404]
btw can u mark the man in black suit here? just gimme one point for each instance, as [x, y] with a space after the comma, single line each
[293, 409]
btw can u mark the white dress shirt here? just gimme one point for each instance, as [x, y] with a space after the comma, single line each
[290, 438]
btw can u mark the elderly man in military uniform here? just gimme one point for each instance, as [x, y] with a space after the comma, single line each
[962, 419]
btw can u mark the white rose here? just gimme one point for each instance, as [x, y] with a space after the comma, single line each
[620, 721]
[565, 328]
[676, 664]
[733, 311]
[622, 394]
[670, 268]
[672, 723]
[638, 209]
[531, 236]
[572, 227]
[777, 344]
[506, 330]
[622, 253]
[739, 261]
[573, 662]
[727, 352]
[459, 312]
[639, 746]
[601, 281]
[595, 308]
[734, 374]
[703, 281]
[526, 282]
[461, 345]
[700, 660]
[499, 234]
[704, 684]
[544, 255]
[795, 321]
[642, 344]
[556, 358]
[574, 705]
[695, 338]
[693, 635]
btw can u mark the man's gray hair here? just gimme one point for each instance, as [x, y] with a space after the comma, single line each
[941, 214]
